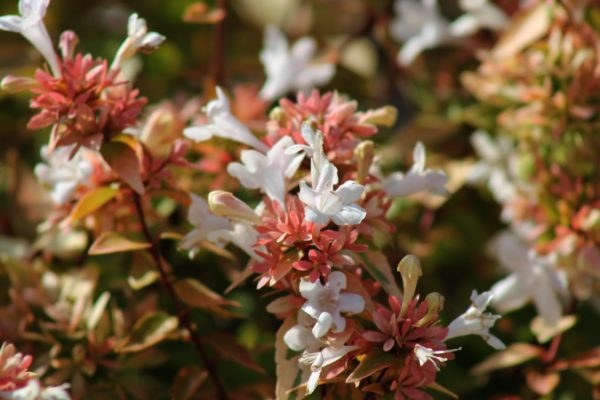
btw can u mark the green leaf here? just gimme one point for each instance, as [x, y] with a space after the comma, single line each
[149, 330]
[112, 242]
[92, 201]
[373, 362]
[123, 160]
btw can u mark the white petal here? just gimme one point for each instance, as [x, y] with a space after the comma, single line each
[349, 215]
[494, 342]
[11, 23]
[509, 294]
[199, 133]
[351, 303]
[350, 192]
[314, 75]
[310, 290]
[336, 282]
[296, 337]
[303, 51]
[246, 177]
[465, 25]
[323, 325]
[313, 381]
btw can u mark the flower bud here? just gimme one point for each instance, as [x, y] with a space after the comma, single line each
[435, 304]
[410, 269]
[68, 42]
[383, 116]
[15, 84]
[277, 114]
[364, 153]
[225, 204]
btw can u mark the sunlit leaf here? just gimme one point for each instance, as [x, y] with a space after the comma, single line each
[286, 364]
[92, 201]
[515, 354]
[196, 294]
[123, 160]
[149, 330]
[540, 383]
[112, 242]
[378, 266]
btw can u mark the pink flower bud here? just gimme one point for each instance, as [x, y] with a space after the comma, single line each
[16, 84]
[225, 204]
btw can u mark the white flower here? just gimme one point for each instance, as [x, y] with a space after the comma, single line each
[223, 124]
[138, 39]
[417, 179]
[322, 202]
[478, 14]
[533, 278]
[326, 303]
[425, 354]
[30, 24]
[33, 390]
[420, 26]
[290, 69]
[320, 359]
[62, 174]
[475, 321]
[267, 172]
[216, 230]
[498, 165]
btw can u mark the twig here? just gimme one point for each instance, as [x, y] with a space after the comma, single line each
[218, 47]
[183, 313]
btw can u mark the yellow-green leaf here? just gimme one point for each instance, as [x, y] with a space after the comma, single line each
[112, 242]
[123, 160]
[187, 382]
[149, 330]
[92, 201]
[196, 294]
[375, 361]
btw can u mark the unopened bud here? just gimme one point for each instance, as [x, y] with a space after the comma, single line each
[435, 304]
[16, 84]
[67, 43]
[410, 269]
[277, 114]
[151, 42]
[364, 153]
[225, 204]
[383, 116]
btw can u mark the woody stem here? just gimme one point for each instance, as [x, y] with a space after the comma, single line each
[183, 313]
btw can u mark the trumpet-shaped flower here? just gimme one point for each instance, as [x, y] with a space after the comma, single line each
[299, 337]
[420, 25]
[216, 230]
[321, 359]
[267, 172]
[479, 14]
[291, 69]
[533, 278]
[138, 39]
[322, 202]
[30, 24]
[63, 173]
[417, 179]
[475, 321]
[325, 303]
[223, 124]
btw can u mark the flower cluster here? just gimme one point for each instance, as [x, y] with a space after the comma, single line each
[311, 238]
[541, 162]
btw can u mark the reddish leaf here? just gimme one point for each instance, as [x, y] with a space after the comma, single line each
[514, 354]
[542, 384]
[187, 382]
[195, 294]
[149, 330]
[228, 348]
[124, 162]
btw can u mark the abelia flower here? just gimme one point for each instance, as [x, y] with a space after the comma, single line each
[417, 179]
[421, 26]
[475, 321]
[30, 24]
[267, 172]
[341, 126]
[18, 383]
[324, 204]
[533, 277]
[425, 355]
[291, 69]
[317, 361]
[138, 39]
[284, 225]
[300, 337]
[223, 123]
[63, 171]
[325, 303]
[479, 14]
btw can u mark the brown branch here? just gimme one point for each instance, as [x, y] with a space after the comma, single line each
[218, 47]
[183, 313]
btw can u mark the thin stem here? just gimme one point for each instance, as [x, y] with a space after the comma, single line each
[550, 354]
[183, 313]
[218, 47]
